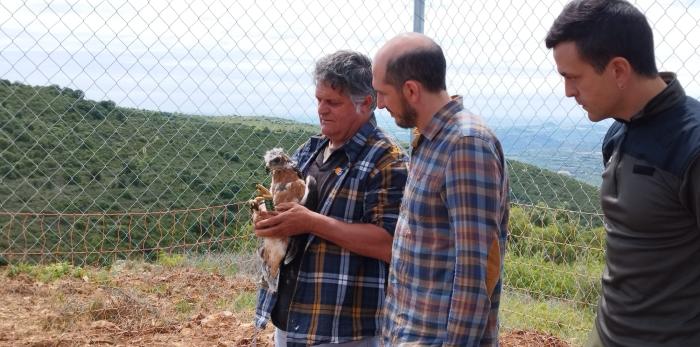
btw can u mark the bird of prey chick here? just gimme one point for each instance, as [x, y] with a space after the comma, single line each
[287, 186]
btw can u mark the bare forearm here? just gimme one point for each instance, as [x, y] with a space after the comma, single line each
[364, 239]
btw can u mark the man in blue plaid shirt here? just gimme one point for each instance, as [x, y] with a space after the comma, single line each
[445, 278]
[333, 290]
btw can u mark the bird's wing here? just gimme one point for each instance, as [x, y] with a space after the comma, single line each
[297, 188]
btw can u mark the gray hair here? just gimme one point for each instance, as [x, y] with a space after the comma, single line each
[349, 72]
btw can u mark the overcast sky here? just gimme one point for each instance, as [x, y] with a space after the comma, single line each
[255, 57]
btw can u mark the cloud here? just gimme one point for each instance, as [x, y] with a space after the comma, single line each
[255, 57]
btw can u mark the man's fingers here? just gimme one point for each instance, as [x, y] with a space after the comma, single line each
[269, 220]
[262, 224]
[263, 215]
[262, 232]
[268, 214]
[284, 206]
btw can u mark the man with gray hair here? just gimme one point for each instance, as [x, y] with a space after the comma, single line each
[333, 289]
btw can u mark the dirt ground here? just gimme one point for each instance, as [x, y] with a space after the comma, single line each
[147, 305]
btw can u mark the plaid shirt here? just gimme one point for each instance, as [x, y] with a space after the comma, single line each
[339, 295]
[445, 283]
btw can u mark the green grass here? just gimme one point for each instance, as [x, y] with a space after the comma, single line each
[214, 266]
[46, 273]
[184, 306]
[243, 302]
[170, 260]
[100, 276]
[579, 283]
[559, 318]
[158, 289]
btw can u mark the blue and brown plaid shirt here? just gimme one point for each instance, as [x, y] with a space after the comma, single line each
[446, 266]
[339, 295]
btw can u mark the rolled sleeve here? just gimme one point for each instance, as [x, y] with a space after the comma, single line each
[384, 191]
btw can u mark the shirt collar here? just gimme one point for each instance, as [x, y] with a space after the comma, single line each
[354, 146]
[668, 98]
[440, 119]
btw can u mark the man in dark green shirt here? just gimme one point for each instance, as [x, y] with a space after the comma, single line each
[651, 182]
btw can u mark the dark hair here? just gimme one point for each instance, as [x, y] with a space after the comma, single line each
[349, 72]
[604, 29]
[425, 64]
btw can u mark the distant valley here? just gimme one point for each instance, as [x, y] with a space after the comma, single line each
[572, 150]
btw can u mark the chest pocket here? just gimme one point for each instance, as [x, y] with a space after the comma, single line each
[648, 194]
[423, 191]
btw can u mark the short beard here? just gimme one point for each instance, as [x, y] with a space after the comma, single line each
[407, 120]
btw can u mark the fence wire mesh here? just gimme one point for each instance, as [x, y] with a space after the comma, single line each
[135, 130]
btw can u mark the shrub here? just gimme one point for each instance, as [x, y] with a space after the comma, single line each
[579, 282]
[557, 241]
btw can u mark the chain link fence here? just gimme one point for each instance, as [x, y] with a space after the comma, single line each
[136, 129]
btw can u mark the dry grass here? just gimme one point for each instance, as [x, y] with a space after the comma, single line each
[173, 303]
[143, 304]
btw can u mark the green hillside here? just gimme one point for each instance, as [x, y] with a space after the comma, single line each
[533, 185]
[62, 152]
